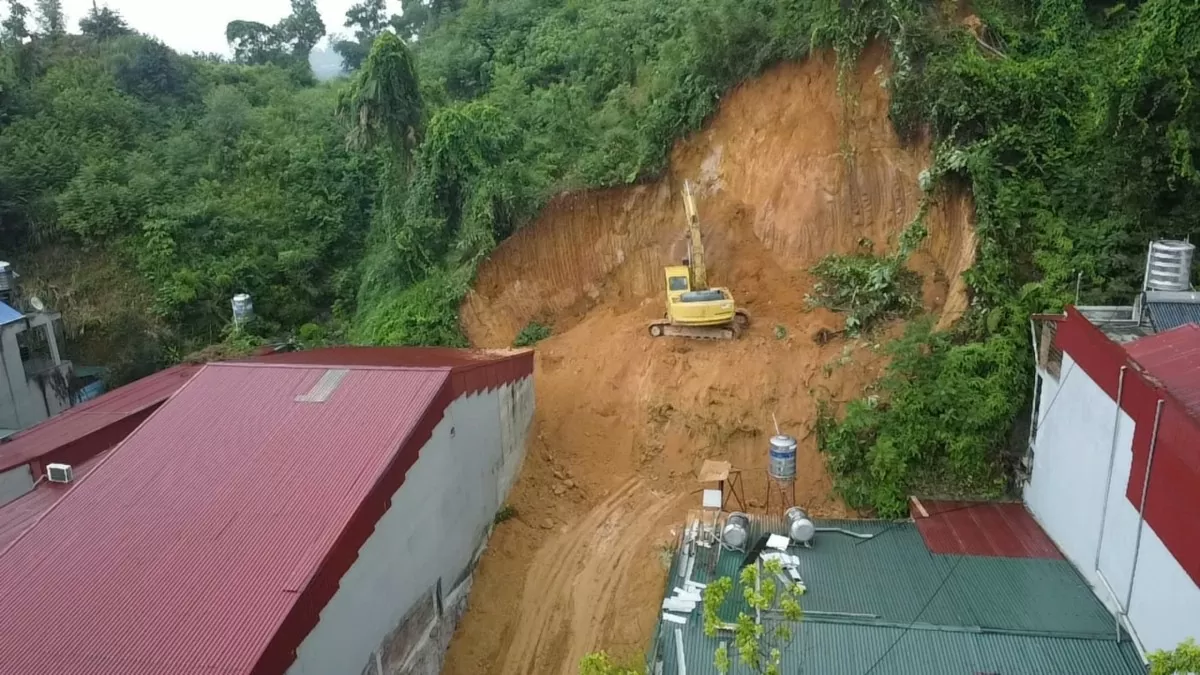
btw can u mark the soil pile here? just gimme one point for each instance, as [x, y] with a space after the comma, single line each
[786, 173]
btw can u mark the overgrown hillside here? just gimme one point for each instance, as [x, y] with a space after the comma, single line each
[1072, 124]
[177, 181]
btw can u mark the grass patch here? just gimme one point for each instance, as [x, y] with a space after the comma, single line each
[506, 512]
[531, 334]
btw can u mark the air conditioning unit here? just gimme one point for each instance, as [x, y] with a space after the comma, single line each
[59, 473]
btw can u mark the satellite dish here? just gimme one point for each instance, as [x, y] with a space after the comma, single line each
[36, 303]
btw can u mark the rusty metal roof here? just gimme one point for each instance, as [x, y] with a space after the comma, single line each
[1173, 358]
[999, 529]
[88, 429]
[209, 541]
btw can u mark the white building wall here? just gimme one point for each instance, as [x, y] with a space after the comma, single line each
[1066, 494]
[14, 483]
[428, 538]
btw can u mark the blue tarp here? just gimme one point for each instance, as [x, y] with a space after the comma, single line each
[9, 315]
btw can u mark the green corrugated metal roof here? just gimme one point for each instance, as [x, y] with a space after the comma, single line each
[991, 615]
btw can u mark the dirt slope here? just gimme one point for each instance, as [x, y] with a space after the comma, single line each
[624, 421]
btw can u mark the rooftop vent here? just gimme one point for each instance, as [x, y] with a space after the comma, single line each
[59, 473]
[1169, 266]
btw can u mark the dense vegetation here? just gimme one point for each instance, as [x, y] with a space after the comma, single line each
[358, 209]
[1074, 125]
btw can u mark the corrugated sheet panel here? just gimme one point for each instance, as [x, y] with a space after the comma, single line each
[1168, 315]
[473, 370]
[8, 314]
[84, 426]
[982, 528]
[1173, 358]
[913, 627]
[212, 537]
[19, 514]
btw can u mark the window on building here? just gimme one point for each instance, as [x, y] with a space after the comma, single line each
[36, 355]
[1049, 355]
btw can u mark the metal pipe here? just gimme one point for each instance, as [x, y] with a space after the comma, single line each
[845, 532]
[1137, 550]
[1120, 610]
[1112, 455]
[1037, 381]
[758, 569]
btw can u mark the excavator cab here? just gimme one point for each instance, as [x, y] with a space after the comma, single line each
[687, 306]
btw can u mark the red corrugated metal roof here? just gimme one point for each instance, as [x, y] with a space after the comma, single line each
[397, 357]
[1173, 358]
[17, 515]
[996, 529]
[211, 538]
[86, 426]
[472, 369]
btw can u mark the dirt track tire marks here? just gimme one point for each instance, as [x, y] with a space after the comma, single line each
[575, 581]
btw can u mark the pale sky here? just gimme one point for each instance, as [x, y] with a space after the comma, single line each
[199, 25]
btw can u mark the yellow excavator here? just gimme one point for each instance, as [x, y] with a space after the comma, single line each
[693, 309]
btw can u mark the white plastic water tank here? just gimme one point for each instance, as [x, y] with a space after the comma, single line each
[1169, 266]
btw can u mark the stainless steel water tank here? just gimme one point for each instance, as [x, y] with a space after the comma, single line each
[800, 528]
[782, 464]
[1169, 266]
[736, 530]
[243, 308]
[6, 277]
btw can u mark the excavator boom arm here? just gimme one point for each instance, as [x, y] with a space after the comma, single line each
[696, 262]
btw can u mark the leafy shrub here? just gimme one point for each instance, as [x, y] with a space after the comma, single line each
[599, 663]
[942, 409]
[867, 288]
[531, 334]
[1183, 659]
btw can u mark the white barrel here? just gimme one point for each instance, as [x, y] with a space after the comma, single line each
[783, 458]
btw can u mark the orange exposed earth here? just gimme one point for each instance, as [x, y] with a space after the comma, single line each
[786, 173]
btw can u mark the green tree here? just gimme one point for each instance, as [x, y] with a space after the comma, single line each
[418, 17]
[254, 43]
[384, 102]
[761, 636]
[1183, 660]
[102, 23]
[14, 26]
[50, 18]
[368, 19]
[303, 28]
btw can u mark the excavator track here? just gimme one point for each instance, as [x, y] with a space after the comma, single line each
[731, 331]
